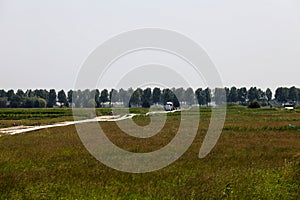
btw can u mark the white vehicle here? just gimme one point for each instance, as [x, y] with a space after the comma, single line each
[289, 106]
[169, 106]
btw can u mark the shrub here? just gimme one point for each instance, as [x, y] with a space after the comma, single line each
[3, 102]
[254, 104]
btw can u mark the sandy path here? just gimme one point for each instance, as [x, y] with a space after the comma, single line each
[24, 129]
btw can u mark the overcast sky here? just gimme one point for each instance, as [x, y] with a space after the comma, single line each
[44, 43]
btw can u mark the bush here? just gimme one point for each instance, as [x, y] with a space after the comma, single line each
[3, 102]
[41, 103]
[254, 104]
[91, 103]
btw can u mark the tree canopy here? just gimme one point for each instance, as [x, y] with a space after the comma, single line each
[40, 98]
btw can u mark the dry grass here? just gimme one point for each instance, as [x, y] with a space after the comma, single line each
[248, 162]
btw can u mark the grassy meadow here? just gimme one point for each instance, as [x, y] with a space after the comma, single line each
[256, 157]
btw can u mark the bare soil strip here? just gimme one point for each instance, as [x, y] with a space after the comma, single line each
[24, 129]
[112, 118]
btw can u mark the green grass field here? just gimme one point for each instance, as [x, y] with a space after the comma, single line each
[256, 157]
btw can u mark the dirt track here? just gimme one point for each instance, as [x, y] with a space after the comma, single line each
[24, 129]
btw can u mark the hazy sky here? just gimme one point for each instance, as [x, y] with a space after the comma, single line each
[44, 43]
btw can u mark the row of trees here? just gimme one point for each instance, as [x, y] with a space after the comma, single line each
[41, 98]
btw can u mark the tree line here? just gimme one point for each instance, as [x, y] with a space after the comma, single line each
[41, 98]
